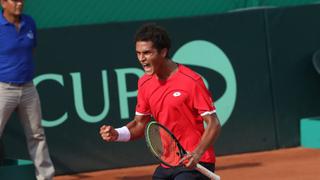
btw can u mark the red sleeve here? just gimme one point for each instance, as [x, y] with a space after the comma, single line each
[203, 101]
[142, 107]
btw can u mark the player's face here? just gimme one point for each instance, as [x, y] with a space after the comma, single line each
[149, 57]
[12, 7]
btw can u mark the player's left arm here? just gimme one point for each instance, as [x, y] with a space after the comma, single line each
[209, 136]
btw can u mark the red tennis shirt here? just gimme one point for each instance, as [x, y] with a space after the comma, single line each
[179, 104]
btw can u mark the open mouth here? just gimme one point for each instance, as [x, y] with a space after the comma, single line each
[146, 67]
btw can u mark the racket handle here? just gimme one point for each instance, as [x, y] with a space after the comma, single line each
[207, 172]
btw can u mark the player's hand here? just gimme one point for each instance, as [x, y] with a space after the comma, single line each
[190, 160]
[108, 133]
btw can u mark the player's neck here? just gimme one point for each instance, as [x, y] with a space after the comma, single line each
[167, 69]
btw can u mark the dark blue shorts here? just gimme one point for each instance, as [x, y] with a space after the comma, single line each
[181, 173]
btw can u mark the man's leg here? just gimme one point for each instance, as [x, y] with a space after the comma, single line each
[9, 99]
[8, 102]
[30, 114]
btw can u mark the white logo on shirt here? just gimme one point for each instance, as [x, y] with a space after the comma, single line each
[176, 94]
[30, 35]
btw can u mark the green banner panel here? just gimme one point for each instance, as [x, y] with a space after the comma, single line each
[309, 129]
[61, 13]
[294, 37]
[17, 169]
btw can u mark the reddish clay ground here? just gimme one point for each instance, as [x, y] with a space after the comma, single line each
[293, 163]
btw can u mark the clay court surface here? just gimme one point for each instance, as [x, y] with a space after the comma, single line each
[284, 164]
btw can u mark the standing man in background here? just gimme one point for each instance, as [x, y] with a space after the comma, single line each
[17, 92]
[177, 98]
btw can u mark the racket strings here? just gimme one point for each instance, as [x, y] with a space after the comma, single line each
[164, 146]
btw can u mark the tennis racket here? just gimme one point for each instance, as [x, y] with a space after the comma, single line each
[166, 148]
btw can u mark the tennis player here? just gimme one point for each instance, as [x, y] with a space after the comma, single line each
[177, 98]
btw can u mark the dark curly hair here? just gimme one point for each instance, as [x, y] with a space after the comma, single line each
[154, 33]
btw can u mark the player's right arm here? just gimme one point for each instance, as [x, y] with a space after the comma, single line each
[136, 128]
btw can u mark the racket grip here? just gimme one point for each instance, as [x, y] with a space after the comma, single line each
[207, 172]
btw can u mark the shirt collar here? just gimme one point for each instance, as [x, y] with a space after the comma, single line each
[3, 20]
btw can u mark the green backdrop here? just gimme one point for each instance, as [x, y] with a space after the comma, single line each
[57, 13]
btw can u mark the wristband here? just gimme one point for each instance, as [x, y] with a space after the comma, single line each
[123, 134]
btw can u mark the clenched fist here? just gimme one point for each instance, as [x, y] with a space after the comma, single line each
[108, 133]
